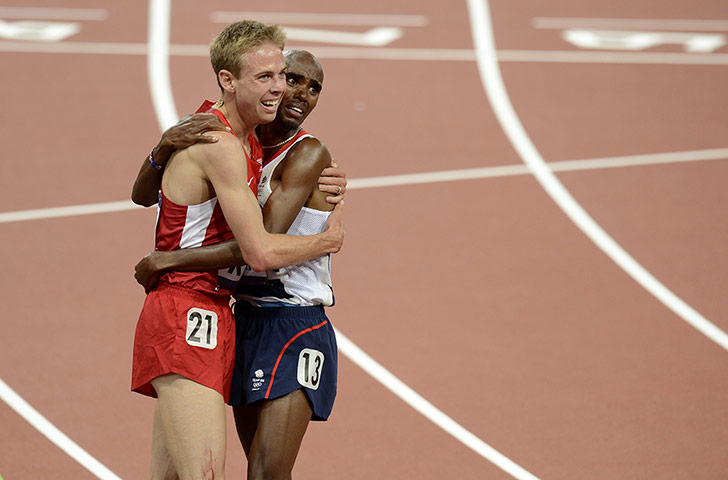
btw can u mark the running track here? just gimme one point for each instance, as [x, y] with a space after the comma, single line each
[535, 256]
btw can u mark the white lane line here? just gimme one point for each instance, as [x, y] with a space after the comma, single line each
[643, 58]
[396, 54]
[412, 179]
[562, 166]
[52, 433]
[420, 404]
[158, 64]
[68, 211]
[30, 13]
[76, 48]
[339, 19]
[498, 96]
[632, 24]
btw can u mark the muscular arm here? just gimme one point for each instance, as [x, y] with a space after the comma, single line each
[188, 131]
[223, 164]
[150, 269]
[298, 180]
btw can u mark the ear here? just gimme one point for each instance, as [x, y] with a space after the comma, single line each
[226, 80]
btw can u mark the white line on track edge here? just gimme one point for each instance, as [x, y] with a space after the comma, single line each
[498, 96]
[52, 433]
[432, 413]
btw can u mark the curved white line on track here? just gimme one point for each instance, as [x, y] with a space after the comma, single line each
[158, 64]
[52, 433]
[504, 111]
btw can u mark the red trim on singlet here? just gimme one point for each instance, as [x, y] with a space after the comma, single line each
[254, 160]
[285, 347]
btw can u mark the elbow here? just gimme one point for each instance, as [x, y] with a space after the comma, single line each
[143, 200]
[258, 265]
[258, 261]
[261, 259]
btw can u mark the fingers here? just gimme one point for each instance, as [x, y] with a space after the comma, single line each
[333, 174]
[335, 188]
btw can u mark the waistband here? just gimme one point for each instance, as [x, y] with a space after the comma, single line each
[276, 313]
[222, 298]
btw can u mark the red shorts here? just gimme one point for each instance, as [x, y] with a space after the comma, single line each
[184, 332]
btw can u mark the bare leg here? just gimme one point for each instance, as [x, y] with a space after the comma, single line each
[191, 418]
[161, 466]
[281, 425]
[246, 423]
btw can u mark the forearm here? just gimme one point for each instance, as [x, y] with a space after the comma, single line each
[285, 250]
[211, 257]
[146, 186]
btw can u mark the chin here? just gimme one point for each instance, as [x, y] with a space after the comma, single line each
[290, 124]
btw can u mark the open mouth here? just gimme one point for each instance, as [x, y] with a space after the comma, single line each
[295, 110]
[271, 105]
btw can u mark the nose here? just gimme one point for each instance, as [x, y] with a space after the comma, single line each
[301, 92]
[279, 86]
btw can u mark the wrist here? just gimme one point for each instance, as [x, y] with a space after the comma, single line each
[152, 162]
[330, 241]
[160, 154]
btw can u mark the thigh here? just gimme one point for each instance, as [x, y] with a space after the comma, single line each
[192, 420]
[281, 425]
[161, 467]
[246, 423]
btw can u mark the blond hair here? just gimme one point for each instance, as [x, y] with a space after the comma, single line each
[228, 48]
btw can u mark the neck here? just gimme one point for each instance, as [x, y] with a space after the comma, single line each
[274, 134]
[238, 124]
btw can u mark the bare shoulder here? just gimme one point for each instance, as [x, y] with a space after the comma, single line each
[227, 149]
[311, 152]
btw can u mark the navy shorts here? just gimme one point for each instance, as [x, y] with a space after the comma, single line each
[282, 349]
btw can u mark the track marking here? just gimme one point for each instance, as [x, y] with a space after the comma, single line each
[420, 404]
[158, 64]
[374, 37]
[631, 24]
[632, 40]
[396, 54]
[498, 96]
[341, 19]
[411, 179]
[644, 58]
[68, 211]
[30, 13]
[52, 433]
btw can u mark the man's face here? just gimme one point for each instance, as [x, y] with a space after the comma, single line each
[260, 85]
[304, 80]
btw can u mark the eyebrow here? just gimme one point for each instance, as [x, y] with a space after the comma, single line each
[297, 76]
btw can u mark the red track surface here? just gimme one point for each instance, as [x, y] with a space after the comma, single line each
[481, 295]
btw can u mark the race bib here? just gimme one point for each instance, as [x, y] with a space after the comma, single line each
[310, 364]
[202, 328]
